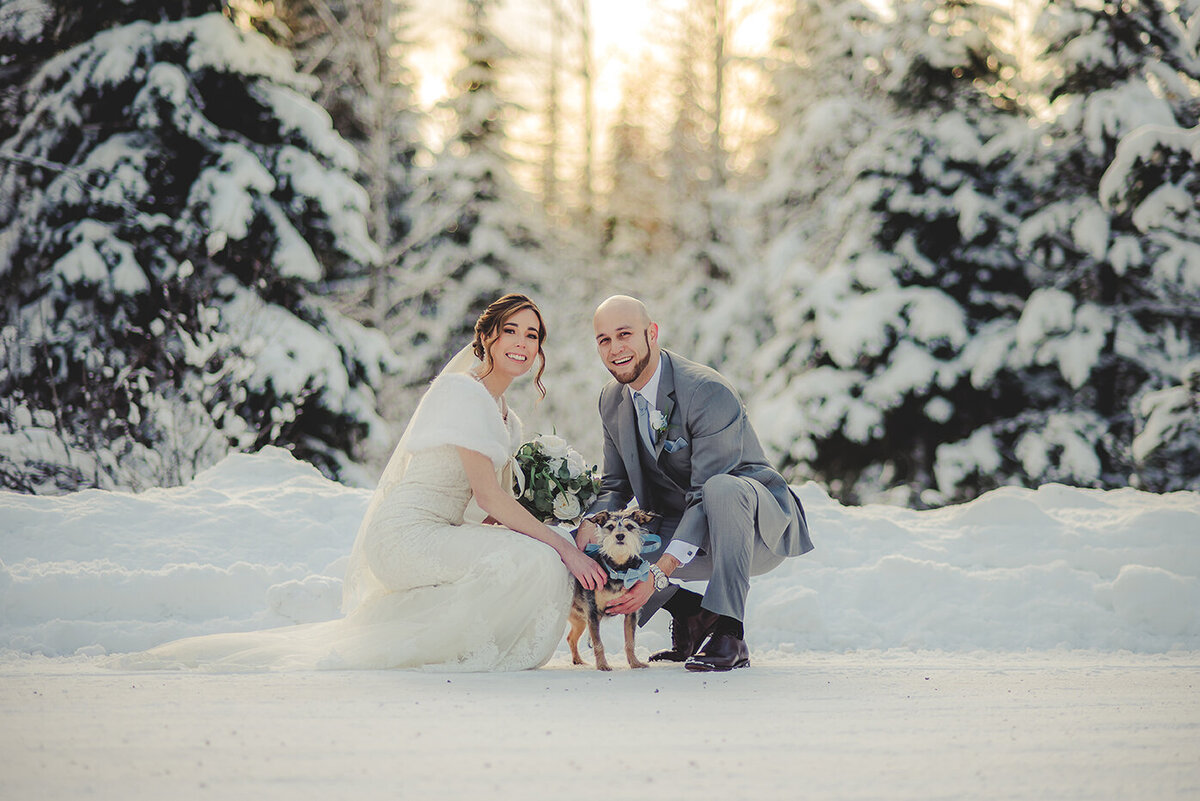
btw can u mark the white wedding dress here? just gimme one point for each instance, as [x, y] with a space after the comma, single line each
[424, 588]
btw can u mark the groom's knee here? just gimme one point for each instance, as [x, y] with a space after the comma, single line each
[726, 492]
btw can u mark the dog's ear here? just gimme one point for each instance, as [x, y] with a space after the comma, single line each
[642, 517]
[600, 518]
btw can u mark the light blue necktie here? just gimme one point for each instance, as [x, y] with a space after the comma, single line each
[643, 415]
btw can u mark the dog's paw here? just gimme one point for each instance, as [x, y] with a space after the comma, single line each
[638, 664]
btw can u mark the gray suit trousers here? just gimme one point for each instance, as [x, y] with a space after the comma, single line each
[730, 558]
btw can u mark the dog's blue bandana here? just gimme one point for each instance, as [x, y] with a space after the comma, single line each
[634, 574]
[631, 576]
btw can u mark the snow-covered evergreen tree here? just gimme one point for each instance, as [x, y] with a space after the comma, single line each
[24, 28]
[32, 31]
[1153, 182]
[988, 312]
[635, 225]
[825, 103]
[1109, 337]
[695, 157]
[871, 366]
[167, 201]
[713, 311]
[475, 234]
[356, 50]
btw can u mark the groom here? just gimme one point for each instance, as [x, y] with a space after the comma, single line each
[676, 438]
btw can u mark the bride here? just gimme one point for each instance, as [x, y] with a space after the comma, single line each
[424, 588]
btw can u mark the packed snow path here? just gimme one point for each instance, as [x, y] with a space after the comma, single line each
[881, 725]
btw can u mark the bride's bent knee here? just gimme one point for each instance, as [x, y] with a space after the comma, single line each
[541, 554]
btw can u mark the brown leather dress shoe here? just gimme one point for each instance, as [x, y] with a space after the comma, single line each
[687, 635]
[723, 652]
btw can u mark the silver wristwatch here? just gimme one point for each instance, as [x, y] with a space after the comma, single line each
[660, 578]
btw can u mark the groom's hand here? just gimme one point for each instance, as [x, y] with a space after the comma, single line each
[633, 600]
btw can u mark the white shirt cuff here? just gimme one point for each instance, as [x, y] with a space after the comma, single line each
[682, 551]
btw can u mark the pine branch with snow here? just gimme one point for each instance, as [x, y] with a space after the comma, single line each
[881, 318]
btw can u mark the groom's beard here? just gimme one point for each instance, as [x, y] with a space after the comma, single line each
[636, 367]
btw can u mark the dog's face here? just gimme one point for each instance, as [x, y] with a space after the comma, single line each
[622, 533]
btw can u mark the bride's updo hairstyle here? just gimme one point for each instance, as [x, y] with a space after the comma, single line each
[491, 323]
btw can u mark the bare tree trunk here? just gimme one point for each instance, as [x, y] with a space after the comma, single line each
[378, 88]
[550, 199]
[351, 46]
[720, 30]
[589, 110]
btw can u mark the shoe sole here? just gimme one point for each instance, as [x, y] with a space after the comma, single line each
[701, 667]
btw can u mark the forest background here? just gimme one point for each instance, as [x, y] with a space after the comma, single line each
[939, 247]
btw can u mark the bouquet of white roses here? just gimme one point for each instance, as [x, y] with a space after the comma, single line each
[553, 482]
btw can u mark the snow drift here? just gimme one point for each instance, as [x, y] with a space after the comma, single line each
[260, 540]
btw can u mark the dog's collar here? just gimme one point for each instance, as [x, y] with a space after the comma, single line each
[629, 576]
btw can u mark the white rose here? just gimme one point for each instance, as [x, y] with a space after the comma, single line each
[553, 446]
[575, 464]
[554, 464]
[566, 507]
[657, 421]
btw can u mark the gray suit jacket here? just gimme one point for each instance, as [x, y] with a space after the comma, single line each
[709, 433]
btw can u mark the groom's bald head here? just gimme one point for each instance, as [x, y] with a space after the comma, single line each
[624, 307]
[626, 339]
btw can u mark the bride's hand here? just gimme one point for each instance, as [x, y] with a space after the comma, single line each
[584, 568]
[586, 533]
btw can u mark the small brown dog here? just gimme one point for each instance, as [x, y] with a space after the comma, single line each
[620, 553]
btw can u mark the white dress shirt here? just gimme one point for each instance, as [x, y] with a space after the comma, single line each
[650, 391]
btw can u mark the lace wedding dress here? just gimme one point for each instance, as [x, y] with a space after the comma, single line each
[424, 587]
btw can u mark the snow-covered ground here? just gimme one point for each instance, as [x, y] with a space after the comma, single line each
[1030, 644]
[819, 725]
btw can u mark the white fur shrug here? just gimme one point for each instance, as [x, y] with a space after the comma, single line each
[458, 410]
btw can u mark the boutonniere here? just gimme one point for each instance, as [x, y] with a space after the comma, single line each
[670, 446]
[658, 424]
[658, 420]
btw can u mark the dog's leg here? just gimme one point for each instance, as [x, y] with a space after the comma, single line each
[597, 646]
[630, 632]
[577, 626]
